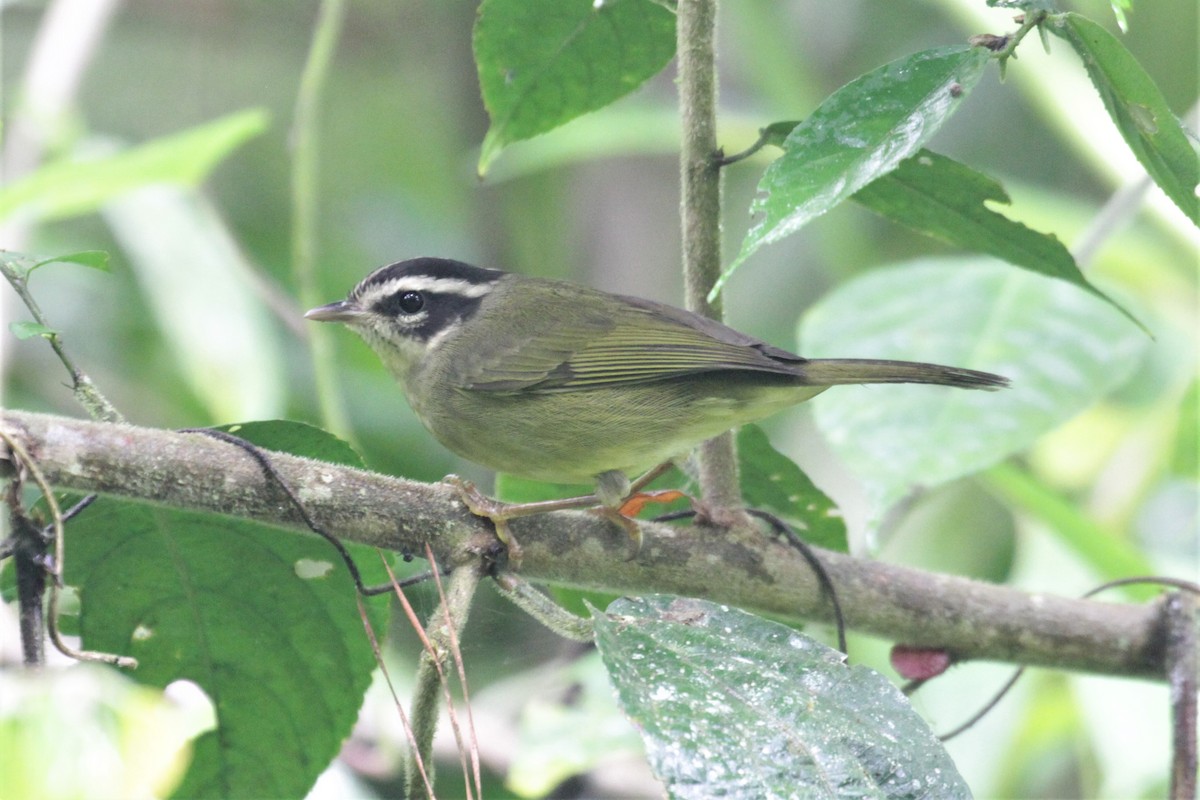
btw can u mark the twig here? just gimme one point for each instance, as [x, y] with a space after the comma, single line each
[55, 569]
[95, 403]
[537, 605]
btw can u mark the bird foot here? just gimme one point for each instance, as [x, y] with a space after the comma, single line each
[630, 507]
[492, 509]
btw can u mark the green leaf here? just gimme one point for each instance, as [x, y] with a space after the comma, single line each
[238, 608]
[776, 133]
[68, 188]
[771, 480]
[96, 259]
[731, 705]
[544, 62]
[1062, 348]
[861, 131]
[1138, 108]
[940, 197]
[28, 330]
[299, 439]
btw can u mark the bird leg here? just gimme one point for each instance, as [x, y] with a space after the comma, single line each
[621, 501]
[616, 499]
[500, 512]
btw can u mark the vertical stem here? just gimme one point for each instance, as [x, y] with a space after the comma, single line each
[1179, 617]
[700, 210]
[430, 674]
[305, 191]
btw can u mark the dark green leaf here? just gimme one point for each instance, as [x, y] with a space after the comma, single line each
[8, 581]
[264, 620]
[771, 480]
[221, 602]
[544, 62]
[96, 259]
[731, 705]
[860, 132]
[1138, 108]
[297, 438]
[27, 330]
[68, 188]
[942, 198]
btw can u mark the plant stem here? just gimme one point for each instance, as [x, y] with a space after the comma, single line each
[700, 207]
[86, 393]
[305, 191]
[448, 617]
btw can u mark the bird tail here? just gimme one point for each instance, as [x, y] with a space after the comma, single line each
[834, 371]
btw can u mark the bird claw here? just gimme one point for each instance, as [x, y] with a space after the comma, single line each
[497, 511]
[617, 508]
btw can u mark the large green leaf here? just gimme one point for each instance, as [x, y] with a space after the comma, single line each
[544, 62]
[264, 620]
[861, 131]
[942, 198]
[1138, 108]
[732, 705]
[70, 187]
[1062, 348]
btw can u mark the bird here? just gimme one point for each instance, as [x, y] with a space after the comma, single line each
[558, 382]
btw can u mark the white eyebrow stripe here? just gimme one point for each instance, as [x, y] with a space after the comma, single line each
[429, 283]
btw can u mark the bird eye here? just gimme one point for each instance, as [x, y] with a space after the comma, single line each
[411, 302]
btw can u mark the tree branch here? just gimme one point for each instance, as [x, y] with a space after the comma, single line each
[972, 620]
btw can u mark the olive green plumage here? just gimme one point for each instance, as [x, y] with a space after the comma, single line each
[562, 383]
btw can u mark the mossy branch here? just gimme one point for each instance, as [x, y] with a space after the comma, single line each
[970, 619]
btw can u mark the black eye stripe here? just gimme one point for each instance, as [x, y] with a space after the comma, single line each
[424, 314]
[403, 303]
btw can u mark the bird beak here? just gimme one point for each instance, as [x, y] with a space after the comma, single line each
[341, 311]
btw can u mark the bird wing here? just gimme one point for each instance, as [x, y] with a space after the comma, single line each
[639, 342]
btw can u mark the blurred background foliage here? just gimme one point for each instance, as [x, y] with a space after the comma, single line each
[597, 202]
